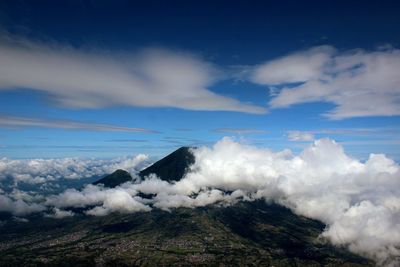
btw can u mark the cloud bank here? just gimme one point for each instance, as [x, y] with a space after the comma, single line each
[20, 203]
[359, 83]
[79, 78]
[358, 201]
[37, 171]
[19, 207]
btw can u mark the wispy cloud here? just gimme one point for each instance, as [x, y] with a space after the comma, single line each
[84, 78]
[299, 136]
[359, 83]
[183, 130]
[240, 130]
[127, 140]
[309, 135]
[182, 141]
[12, 121]
[350, 131]
[297, 67]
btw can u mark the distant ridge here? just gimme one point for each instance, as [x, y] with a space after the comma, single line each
[116, 178]
[173, 167]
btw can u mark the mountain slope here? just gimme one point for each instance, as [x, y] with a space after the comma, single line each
[245, 234]
[116, 178]
[173, 167]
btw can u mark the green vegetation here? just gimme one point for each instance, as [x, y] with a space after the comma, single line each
[246, 234]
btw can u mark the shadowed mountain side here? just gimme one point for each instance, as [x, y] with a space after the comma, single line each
[173, 167]
[116, 178]
[170, 168]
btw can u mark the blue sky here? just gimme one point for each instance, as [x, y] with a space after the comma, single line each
[106, 79]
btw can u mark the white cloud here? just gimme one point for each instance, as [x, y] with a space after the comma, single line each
[297, 67]
[89, 196]
[21, 203]
[66, 124]
[106, 200]
[358, 201]
[18, 194]
[79, 78]
[125, 198]
[118, 200]
[21, 220]
[321, 183]
[300, 136]
[60, 214]
[18, 207]
[359, 83]
[36, 171]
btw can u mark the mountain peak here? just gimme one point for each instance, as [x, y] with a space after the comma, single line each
[172, 167]
[114, 179]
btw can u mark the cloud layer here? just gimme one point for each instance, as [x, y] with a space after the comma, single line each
[78, 78]
[37, 171]
[19, 207]
[359, 83]
[358, 201]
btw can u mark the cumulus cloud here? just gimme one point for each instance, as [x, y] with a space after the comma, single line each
[80, 78]
[357, 200]
[118, 200]
[66, 124]
[125, 198]
[18, 207]
[36, 171]
[27, 196]
[105, 200]
[359, 83]
[59, 214]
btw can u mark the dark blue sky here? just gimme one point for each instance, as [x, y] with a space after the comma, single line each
[234, 37]
[229, 31]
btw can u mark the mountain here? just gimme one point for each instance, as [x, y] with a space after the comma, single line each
[116, 178]
[173, 167]
[245, 234]
[170, 168]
